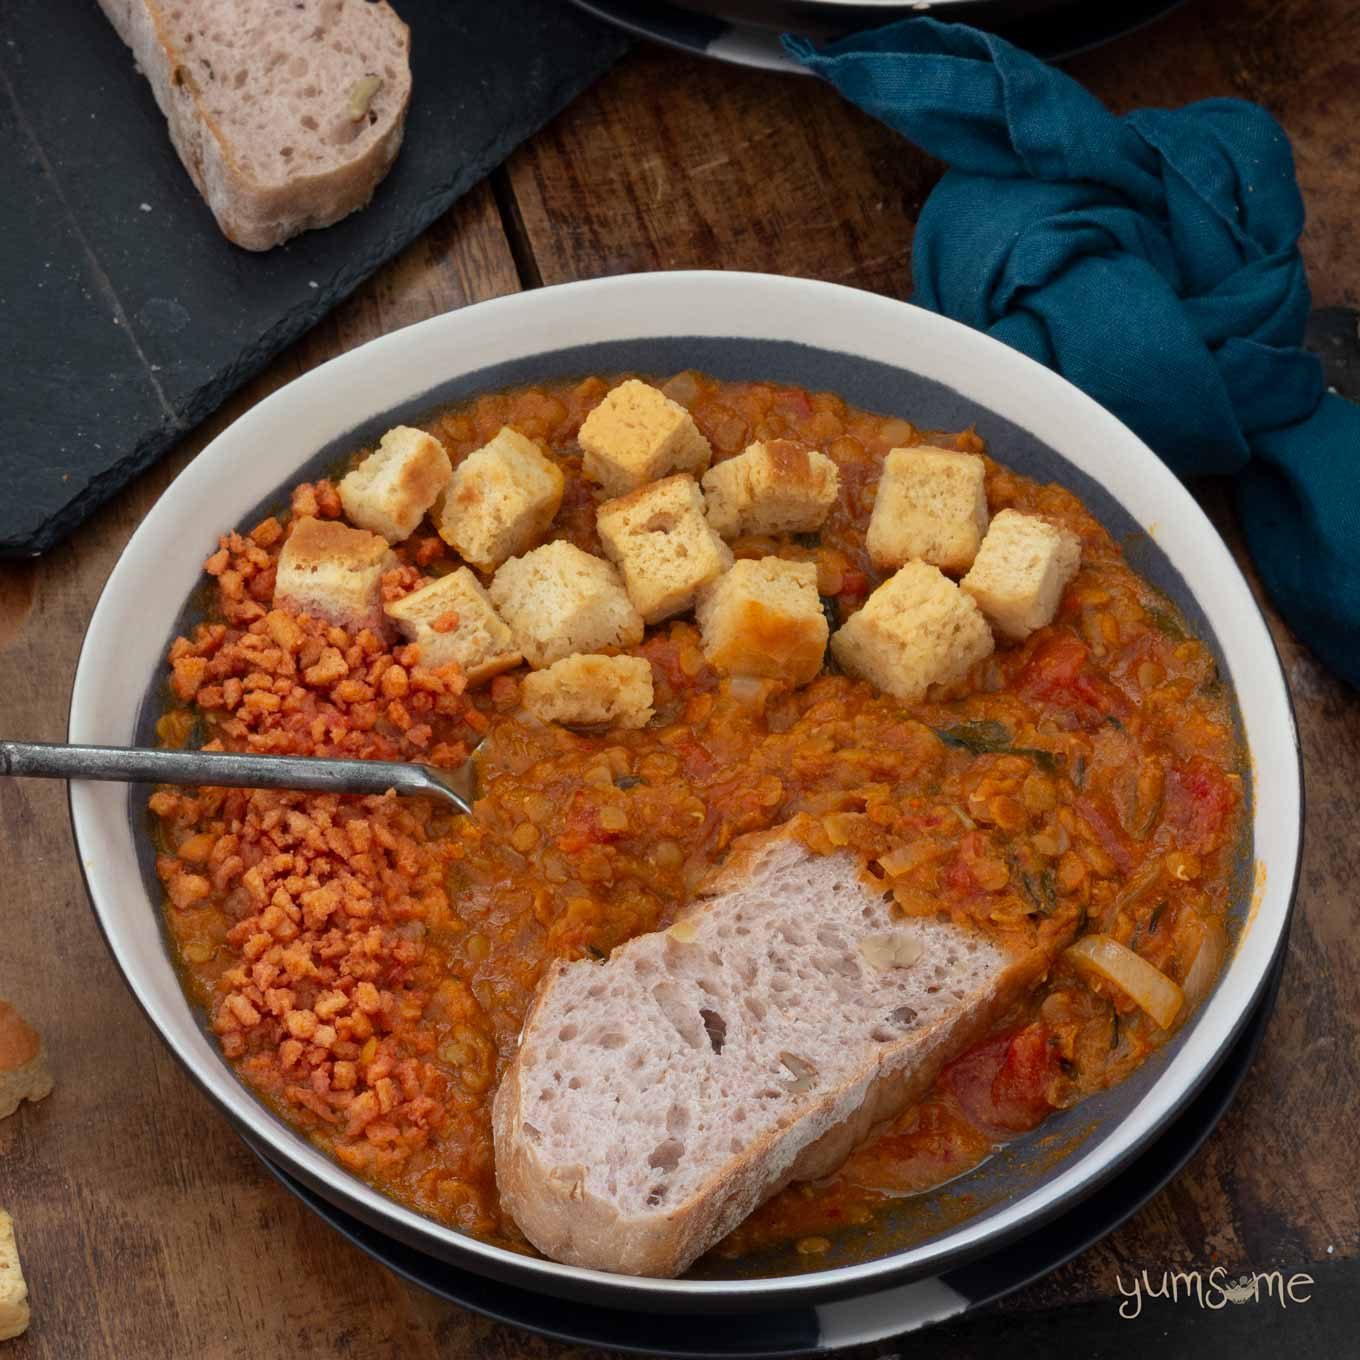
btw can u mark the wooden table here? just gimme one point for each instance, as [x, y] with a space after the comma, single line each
[148, 1230]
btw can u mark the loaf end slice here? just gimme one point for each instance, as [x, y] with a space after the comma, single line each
[286, 116]
[660, 1097]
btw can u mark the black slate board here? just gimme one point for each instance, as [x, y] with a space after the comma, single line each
[125, 316]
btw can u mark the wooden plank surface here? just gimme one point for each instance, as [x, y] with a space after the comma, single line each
[147, 1230]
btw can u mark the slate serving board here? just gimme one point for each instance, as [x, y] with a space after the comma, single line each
[125, 316]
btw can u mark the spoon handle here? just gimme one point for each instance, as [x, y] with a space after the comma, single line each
[48, 760]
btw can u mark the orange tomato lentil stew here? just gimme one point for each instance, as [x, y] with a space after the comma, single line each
[366, 962]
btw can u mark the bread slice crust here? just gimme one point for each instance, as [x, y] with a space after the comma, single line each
[563, 1203]
[254, 208]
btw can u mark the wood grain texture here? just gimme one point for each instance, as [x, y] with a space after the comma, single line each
[148, 1231]
[676, 163]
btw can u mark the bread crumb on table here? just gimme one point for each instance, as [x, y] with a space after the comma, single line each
[13, 1288]
[23, 1063]
[932, 505]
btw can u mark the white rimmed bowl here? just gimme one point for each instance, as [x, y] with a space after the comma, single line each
[879, 354]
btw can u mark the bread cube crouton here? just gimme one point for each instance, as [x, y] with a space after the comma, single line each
[501, 500]
[664, 545]
[13, 1290]
[333, 572]
[916, 630]
[390, 491]
[1020, 572]
[765, 618]
[559, 601]
[774, 488]
[23, 1064]
[451, 619]
[592, 691]
[932, 505]
[637, 434]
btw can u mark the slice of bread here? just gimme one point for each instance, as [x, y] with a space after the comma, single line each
[655, 1100]
[592, 691]
[23, 1064]
[13, 1290]
[286, 116]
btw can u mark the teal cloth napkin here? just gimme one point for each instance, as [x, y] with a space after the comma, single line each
[1153, 261]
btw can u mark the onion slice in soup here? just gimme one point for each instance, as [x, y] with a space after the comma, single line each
[1143, 984]
[1203, 972]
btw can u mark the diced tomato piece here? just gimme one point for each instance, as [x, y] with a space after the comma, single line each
[1199, 800]
[1002, 1084]
[1107, 833]
[854, 583]
[1057, 673]
[583, 827]
[933, 1143]
[959, 877]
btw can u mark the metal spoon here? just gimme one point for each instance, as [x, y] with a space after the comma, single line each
[50, 760]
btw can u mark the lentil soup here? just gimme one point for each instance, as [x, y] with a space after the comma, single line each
[366, 962]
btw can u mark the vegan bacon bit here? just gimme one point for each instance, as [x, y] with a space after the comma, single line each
[366, 962]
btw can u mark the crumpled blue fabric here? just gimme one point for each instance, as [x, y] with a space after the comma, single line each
[1153, 261]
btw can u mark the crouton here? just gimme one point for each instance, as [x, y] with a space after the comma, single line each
[916, 630]
[23, 1064]
[451, 619]
[592, 691]
[663, 544]
[637, 434]
[765, 618]
[501, 500]
[932, 505]
[390, 491]
[1020, 572]
[13, 1290]
[775, 488]
[333, 572]
[559, 600]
